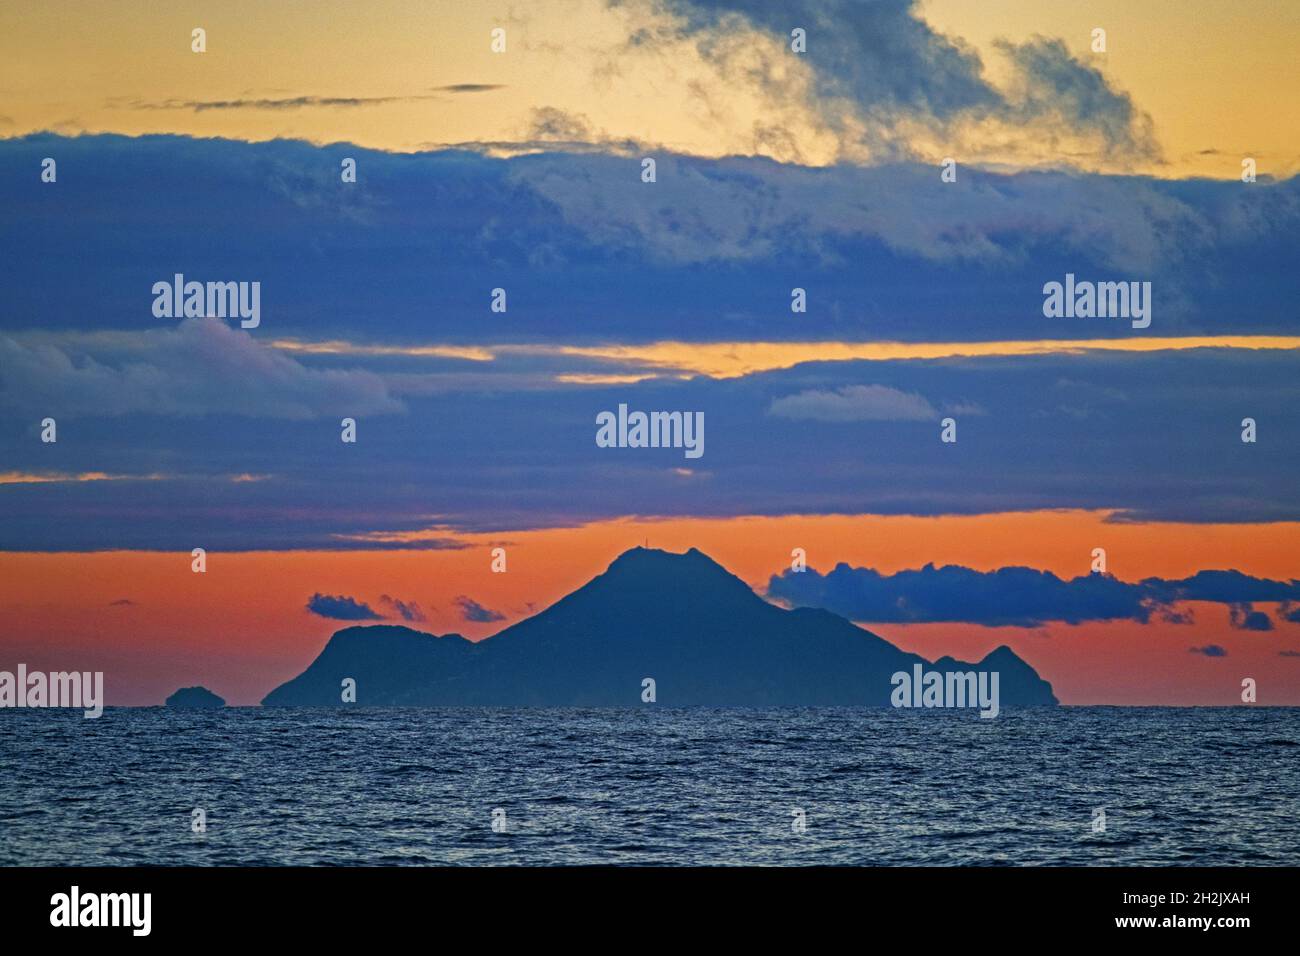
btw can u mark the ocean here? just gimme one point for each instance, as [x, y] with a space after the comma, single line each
[651, 786]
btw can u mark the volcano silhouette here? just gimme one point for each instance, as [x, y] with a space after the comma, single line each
[683, 620]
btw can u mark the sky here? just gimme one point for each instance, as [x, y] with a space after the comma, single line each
[522, 170]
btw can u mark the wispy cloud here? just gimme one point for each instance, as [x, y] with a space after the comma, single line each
[471, 610]
[199, 367]
[272, 103]
[406, 610]
[41, 478]
[854, 403]
[57, 478]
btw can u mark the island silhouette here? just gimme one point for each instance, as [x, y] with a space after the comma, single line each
[194, 698]
[682, 621]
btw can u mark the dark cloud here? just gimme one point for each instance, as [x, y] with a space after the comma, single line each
[341, 608]
[880, 54]
[469, 88]
[883, 56]
[1233, 587]
[1244, 618]
[1014, 596]
[518, 455]
[122, 602]
[1209, 650]
[471, 610]
[710, 253]
[986, 250]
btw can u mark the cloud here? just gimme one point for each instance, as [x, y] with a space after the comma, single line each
[1074, 95]
[278, 103]
[741, 210]
[549, 124]
[879, 54]
[893, 87]
[1209, 650]
[878, 84]
[1012, 596]
[854, 403]
[341, 608]
[1289, 611]
[1243, 618]
[471, 610]
[30, 478]
[406, 610]
[1228, 587]
[469, 88]
[519, 450]
[1288, 653]
[552, 129]
[122, 602]
[705, 258]
[965, 262]
[200, 367]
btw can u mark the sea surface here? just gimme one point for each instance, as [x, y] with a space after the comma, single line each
[1179, 786]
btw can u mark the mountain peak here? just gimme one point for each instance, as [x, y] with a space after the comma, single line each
[642, 571]
[644, 557]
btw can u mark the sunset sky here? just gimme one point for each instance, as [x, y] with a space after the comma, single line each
[775, 170]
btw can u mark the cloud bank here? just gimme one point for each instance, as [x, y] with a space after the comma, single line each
[1021, 597]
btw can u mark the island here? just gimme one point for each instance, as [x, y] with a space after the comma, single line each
[195, 698]
[672, 630]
